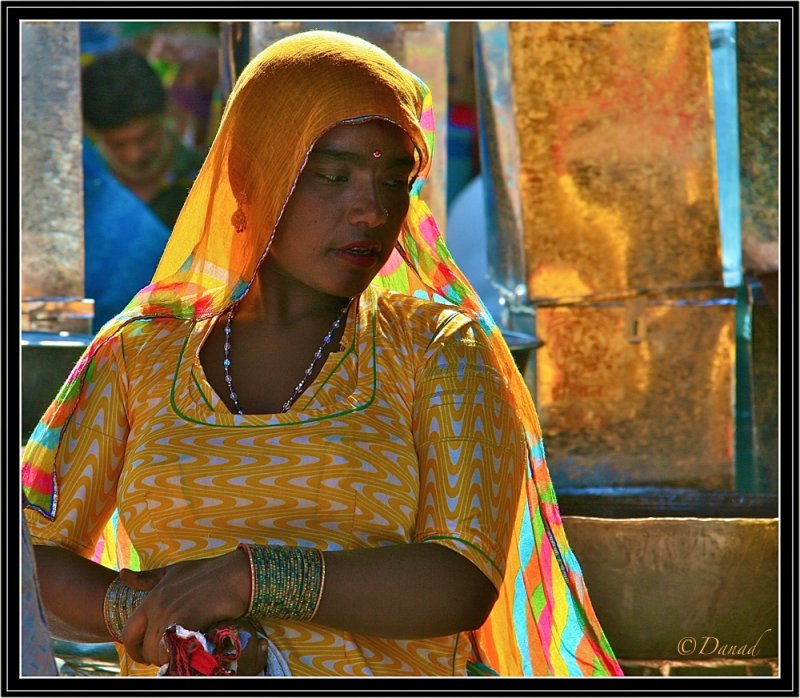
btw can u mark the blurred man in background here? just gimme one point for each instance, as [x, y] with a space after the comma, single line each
[124, 111]
[137, 173]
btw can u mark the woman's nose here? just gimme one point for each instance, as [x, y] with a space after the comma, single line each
[367, 209]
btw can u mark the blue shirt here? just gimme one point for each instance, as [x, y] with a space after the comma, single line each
[123, 239]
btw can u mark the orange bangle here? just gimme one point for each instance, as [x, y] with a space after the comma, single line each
[321, 583]
[246, 548]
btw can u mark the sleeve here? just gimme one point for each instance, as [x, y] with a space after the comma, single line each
[89, 458]
[470, 447]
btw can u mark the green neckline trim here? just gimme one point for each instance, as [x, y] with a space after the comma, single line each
[200, 390]
[469, 545]
[333, 415]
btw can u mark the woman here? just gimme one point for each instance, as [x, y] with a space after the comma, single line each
[292, 446]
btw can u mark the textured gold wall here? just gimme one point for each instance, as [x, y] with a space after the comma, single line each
[622, 246]
[617, 166]
[656, 411]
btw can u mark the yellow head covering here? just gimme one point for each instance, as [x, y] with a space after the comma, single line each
[284, 101]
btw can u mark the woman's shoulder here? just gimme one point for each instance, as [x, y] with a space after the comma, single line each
[148, 337]
[419, 315]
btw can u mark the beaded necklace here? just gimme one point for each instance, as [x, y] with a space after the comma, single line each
[226, 364]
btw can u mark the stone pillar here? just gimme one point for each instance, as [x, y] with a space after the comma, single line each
[602, 173]
[757, 55]
[52, 180]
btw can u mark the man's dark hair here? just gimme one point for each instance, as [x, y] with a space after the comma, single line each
[118, 87]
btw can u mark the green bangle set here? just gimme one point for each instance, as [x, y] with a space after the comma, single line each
[118, 605]
[286, 581]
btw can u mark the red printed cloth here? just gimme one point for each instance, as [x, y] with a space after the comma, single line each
[192, 654]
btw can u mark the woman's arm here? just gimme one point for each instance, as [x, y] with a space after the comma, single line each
[73, 590]
[89, 462]
[411, 590]
[404, 591]
[400, 591]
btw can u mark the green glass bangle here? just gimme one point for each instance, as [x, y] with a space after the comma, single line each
[286, 581]
[119, 604]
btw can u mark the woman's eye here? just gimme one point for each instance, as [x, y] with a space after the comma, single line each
[332, 179]
[397, 183]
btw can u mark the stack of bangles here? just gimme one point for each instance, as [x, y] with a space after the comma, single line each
[285, 582]
[119, 604]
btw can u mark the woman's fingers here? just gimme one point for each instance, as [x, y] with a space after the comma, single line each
[144, 580]
[253, 657]
[133, 636]
[194, 594]
[143, 631]
[160, 648]
[163, 650]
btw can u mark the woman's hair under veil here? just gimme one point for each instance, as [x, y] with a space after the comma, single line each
[284, 101]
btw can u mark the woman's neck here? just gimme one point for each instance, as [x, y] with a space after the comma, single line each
[279, 301]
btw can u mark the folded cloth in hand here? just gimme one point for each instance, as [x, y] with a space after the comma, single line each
[192, 654]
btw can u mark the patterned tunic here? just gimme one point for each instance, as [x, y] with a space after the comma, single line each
[404, 436]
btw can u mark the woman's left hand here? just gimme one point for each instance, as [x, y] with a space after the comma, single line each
[194, 594]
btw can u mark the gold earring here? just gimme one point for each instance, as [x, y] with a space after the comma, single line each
[238, 219]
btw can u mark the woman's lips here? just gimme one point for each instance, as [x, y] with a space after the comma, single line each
[360, 255]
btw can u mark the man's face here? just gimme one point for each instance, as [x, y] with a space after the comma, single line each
[137, 150]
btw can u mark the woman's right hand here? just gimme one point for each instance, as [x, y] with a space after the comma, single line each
[195, 594]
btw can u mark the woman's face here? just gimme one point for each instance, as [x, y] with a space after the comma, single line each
[345, 214]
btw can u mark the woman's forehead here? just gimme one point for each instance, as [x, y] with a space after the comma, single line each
[374, 139]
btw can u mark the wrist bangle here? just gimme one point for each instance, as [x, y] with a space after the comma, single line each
[286, 581]
[321, 583]
[119, 604]
[249, 553]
